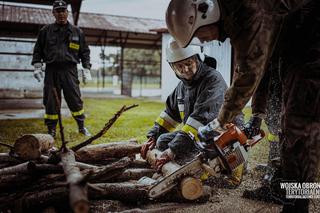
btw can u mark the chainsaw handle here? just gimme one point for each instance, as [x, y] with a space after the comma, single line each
[255, 139]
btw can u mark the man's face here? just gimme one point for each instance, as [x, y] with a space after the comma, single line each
[186, 68]
[61, 15]
[207, 33]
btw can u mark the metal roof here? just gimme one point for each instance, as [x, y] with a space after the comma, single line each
[100, 29]
[75, 5]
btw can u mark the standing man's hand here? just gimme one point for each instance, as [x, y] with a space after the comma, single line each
[211, 130]
[86, 74]
[37, 73]
[252, 127]
[148, 145]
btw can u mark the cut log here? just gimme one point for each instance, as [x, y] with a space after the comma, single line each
[101, 152]
[30, 147]
[78, 197]
[190, 188]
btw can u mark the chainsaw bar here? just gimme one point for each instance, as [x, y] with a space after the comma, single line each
[193, 168]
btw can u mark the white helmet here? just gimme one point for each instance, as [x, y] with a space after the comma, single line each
[175, 53]
[184, 17]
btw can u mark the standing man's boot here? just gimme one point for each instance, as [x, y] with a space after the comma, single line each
[83, 130]
[52, 131]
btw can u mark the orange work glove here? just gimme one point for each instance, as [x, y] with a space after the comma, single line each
[148, 145]
[164, 158]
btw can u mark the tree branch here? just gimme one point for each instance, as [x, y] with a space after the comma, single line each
[106, 127]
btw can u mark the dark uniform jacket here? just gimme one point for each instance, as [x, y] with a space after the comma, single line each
[253, 28]
[193, 103]
[56, 44]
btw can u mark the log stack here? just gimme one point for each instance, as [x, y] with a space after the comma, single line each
[31, 177]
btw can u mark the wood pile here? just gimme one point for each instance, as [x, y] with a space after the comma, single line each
[34, 175]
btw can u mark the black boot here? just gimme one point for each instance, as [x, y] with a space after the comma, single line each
[52, 131]
[84, 131]
[270, 190]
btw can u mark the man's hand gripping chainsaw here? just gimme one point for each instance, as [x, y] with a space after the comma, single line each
[219, 155]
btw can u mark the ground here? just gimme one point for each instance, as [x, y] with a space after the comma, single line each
[136, 122]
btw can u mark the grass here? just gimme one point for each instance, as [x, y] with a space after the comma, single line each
[131, 124]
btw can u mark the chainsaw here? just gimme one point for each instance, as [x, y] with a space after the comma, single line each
[221, 155]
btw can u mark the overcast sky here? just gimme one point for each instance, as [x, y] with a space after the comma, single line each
[138, 8]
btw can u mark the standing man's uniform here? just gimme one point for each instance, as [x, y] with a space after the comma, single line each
[61, 47]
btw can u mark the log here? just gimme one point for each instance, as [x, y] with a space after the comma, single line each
[134, 174]
[78, 197]
[190, 188]
[12, 181]
[128, 192]
[20, 168]
[81, 166]
[30, 147]
[7, 158]
[105, 173]
[101, 152]
[139, 164]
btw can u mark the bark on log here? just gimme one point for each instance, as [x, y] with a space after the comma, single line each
[100, 152]
[139, 164]
[128, 192]
[134, 174]
[190, 187]
[30, 147]
[105, 173]
[81, 166]
[20, 168]
[7, 158]
[12, 181]
[78, 192]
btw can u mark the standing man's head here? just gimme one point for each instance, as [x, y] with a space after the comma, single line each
[184, 61]
[60, 12]
[193, 18]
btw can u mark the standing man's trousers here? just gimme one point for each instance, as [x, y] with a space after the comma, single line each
[62, 76]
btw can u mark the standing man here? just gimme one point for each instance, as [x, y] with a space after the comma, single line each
[61, 46]
[254, 28]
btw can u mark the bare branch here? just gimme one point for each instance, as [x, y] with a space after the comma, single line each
[106, 127]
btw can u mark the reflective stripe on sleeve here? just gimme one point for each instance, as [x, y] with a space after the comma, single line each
[170, 120]
[194, 123]
[165, 124]
[186, 128]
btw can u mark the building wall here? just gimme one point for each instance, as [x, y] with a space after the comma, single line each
[220, 51]
[17, 80]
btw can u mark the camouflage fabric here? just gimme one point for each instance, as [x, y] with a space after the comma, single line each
[253, 28]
